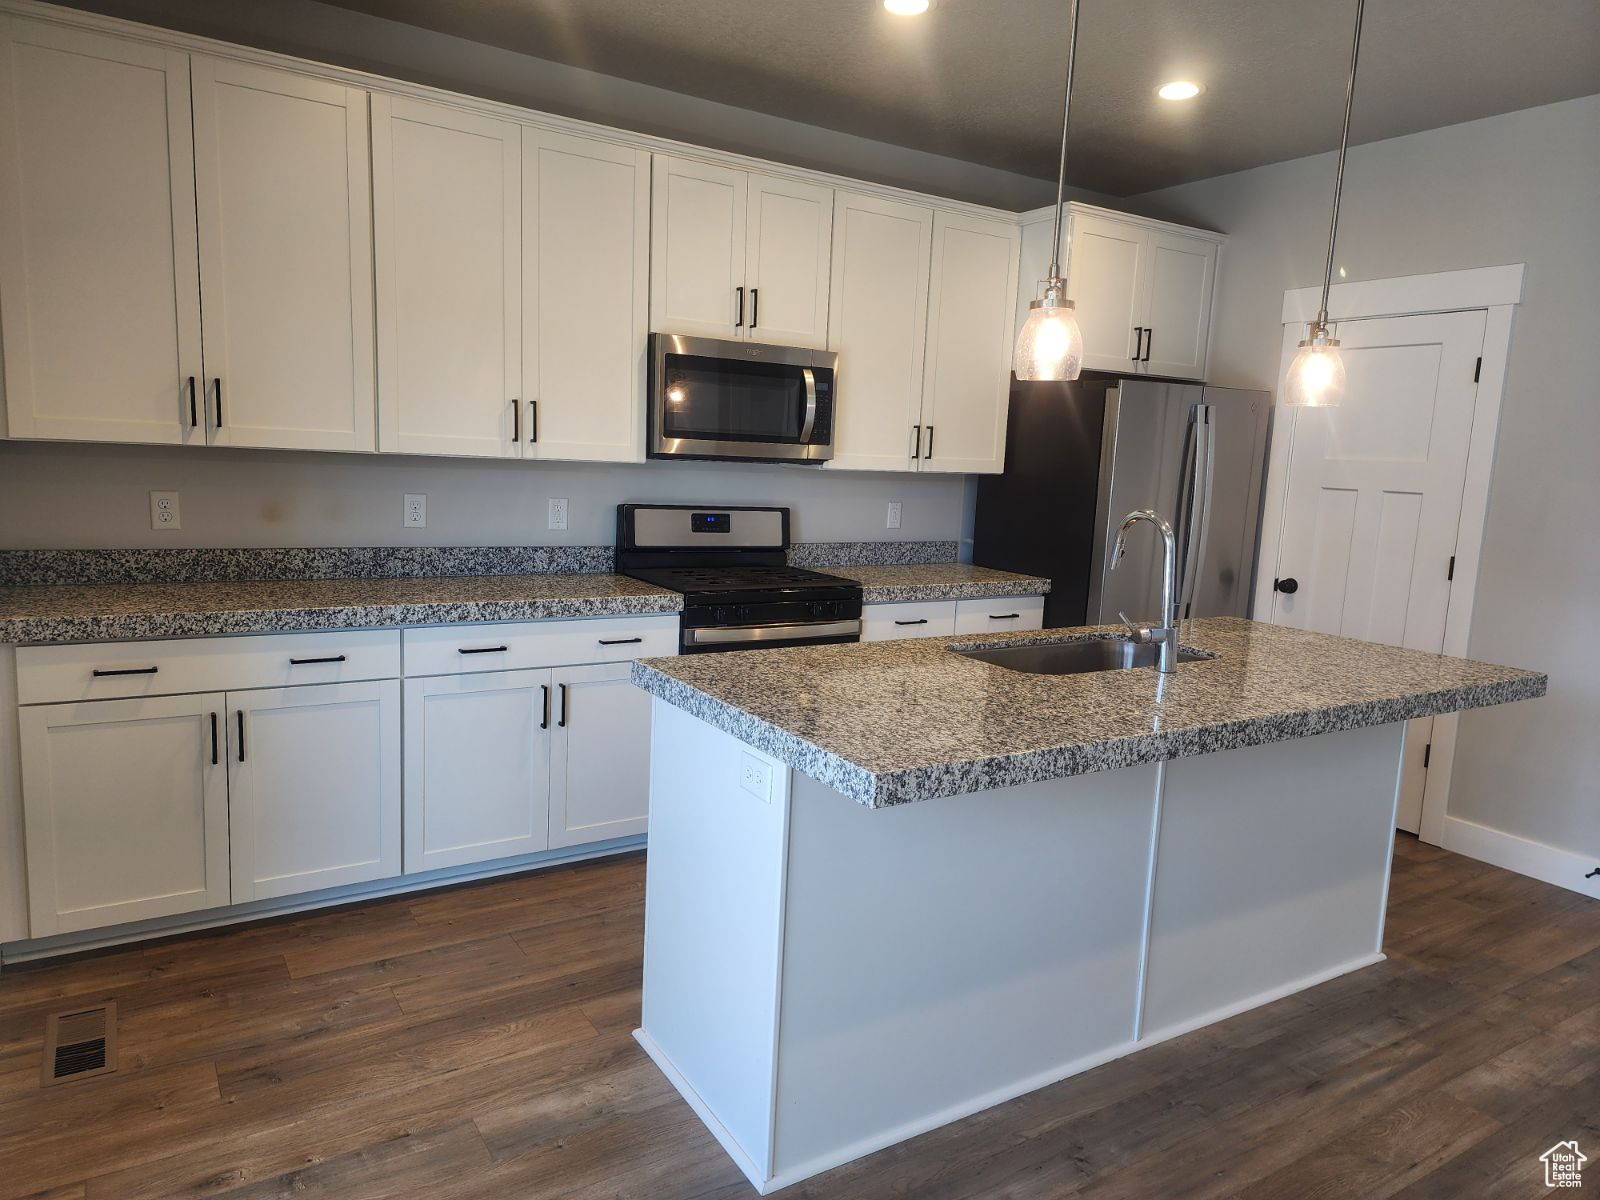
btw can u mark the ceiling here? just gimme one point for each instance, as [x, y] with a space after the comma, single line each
[980, 80]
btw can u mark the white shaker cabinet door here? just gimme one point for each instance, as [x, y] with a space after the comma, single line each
[1104, 280]
[283, 191]
[126, 810]
[1181, 274]
[789, 238]
[967, 380]
[477, 776]
[447, 226]
[601, 770]
[878, 324]
[314, 787]
[99, 291]
[586, 289]
[697, 246]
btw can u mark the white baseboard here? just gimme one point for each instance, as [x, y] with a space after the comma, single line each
[1550, 864]
[725, 1139]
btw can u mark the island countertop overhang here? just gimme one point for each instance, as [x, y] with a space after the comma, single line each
[889, 723]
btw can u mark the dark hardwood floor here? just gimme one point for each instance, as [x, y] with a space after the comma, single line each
[476, 1043]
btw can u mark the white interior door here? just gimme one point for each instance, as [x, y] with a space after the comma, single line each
[601, 755]
[697, 243]
[786, 261]
[1367, 496]
[1104, 266]
[99, 287]
[283, 192]
[447, 228]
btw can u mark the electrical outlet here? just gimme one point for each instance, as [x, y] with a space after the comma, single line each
[558, 512]
[164, 511]
[755, 776]
[894, 514]
[416, 513]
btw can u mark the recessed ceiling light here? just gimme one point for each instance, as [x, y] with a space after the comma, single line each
[908, 8]
[1178, 89]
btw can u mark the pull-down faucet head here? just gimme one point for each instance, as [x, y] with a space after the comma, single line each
[1166, 634]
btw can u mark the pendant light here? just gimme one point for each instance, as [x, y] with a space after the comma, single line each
[1049, 344]
[1316, 376]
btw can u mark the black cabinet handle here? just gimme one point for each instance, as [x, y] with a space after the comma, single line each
[533, 420]
[219, 401]
[482, 650]
[1149, 340]
[99, 674]
[213, 739]
[305, 662]
[621, 641]
[241, 734]
[1287, 586]
[516, 420]
[1004, 616]
[194, 411]
[755, 306]
[1138, 342]
[918, 621]
[740, 321]
[561, 721]
[916, 442]
[544, 721]
[929, 454]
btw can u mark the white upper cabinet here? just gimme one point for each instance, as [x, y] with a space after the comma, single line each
[99, 287]
[1106, 280]
[739, 255]
[447, 225]
[586, 272]
[967, 377]
[878, 324]
[283, 195]
[1177, 312]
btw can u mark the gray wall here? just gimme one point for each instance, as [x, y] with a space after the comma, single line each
[1521, 187]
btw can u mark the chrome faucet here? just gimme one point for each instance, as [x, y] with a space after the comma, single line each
[1164, 636]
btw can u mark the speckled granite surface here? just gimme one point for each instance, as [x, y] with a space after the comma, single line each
[856, 554]
[160, 610]
[891, 722]
[942, 581]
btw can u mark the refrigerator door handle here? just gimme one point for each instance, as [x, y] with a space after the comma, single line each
[1200, 469]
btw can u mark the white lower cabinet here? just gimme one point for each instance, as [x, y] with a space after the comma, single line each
[999, 614]
[601, 762]
[126, 810]
[942, 618]
[477, 768]
[313, 787]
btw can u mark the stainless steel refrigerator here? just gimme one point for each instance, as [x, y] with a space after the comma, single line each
[1081, 455]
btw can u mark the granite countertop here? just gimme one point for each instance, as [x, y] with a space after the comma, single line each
[937, 581]
[891, 722]
[109, 612]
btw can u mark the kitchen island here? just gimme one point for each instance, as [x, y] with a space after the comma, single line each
[891, 885]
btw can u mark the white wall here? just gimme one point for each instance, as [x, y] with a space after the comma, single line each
[1518, 188]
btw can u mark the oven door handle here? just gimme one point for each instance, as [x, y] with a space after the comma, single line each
[732, 635]
[811, 406]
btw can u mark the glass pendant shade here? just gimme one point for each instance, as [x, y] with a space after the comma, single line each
[1316, 376]
[1049, 344]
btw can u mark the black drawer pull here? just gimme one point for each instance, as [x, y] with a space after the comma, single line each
[1004, 616]
[621, 641]
[919, 621]
[482, 650]
[99, 674]
[304, 662]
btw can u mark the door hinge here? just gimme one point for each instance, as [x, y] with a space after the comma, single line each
[1478, 369]
[1427, 753]
[1451, 573]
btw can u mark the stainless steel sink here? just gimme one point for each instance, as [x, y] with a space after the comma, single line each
[1077, 658]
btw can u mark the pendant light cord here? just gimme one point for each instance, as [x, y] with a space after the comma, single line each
[1061, 169]
[1338, 178]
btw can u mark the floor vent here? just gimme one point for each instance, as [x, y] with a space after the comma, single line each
[80, 1044]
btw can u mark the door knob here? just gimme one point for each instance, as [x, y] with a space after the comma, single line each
[1287, 586]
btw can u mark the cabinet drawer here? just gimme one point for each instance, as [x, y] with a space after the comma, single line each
[999, 613]
[908, 619]
[50, 674]
[455, 649]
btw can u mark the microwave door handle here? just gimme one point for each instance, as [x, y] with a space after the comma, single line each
[811, 406]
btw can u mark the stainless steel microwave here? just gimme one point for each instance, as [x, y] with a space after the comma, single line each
[711, 398]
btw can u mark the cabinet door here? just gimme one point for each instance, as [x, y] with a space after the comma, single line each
[447, 226]
[908, 619]
[126, 810]
[99, 292]
[283, 189]
[477, 781]
[601, 760]
[999, 614]
[1180, 273]
[967, 380]
[697, 242]
[586, 286]
[314, 787]
[786, 261]
[1103, 279]
[878, 324]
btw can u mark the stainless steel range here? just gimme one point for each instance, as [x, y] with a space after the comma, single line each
[739, 593]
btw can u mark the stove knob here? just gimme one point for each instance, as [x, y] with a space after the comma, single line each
[720, 615]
